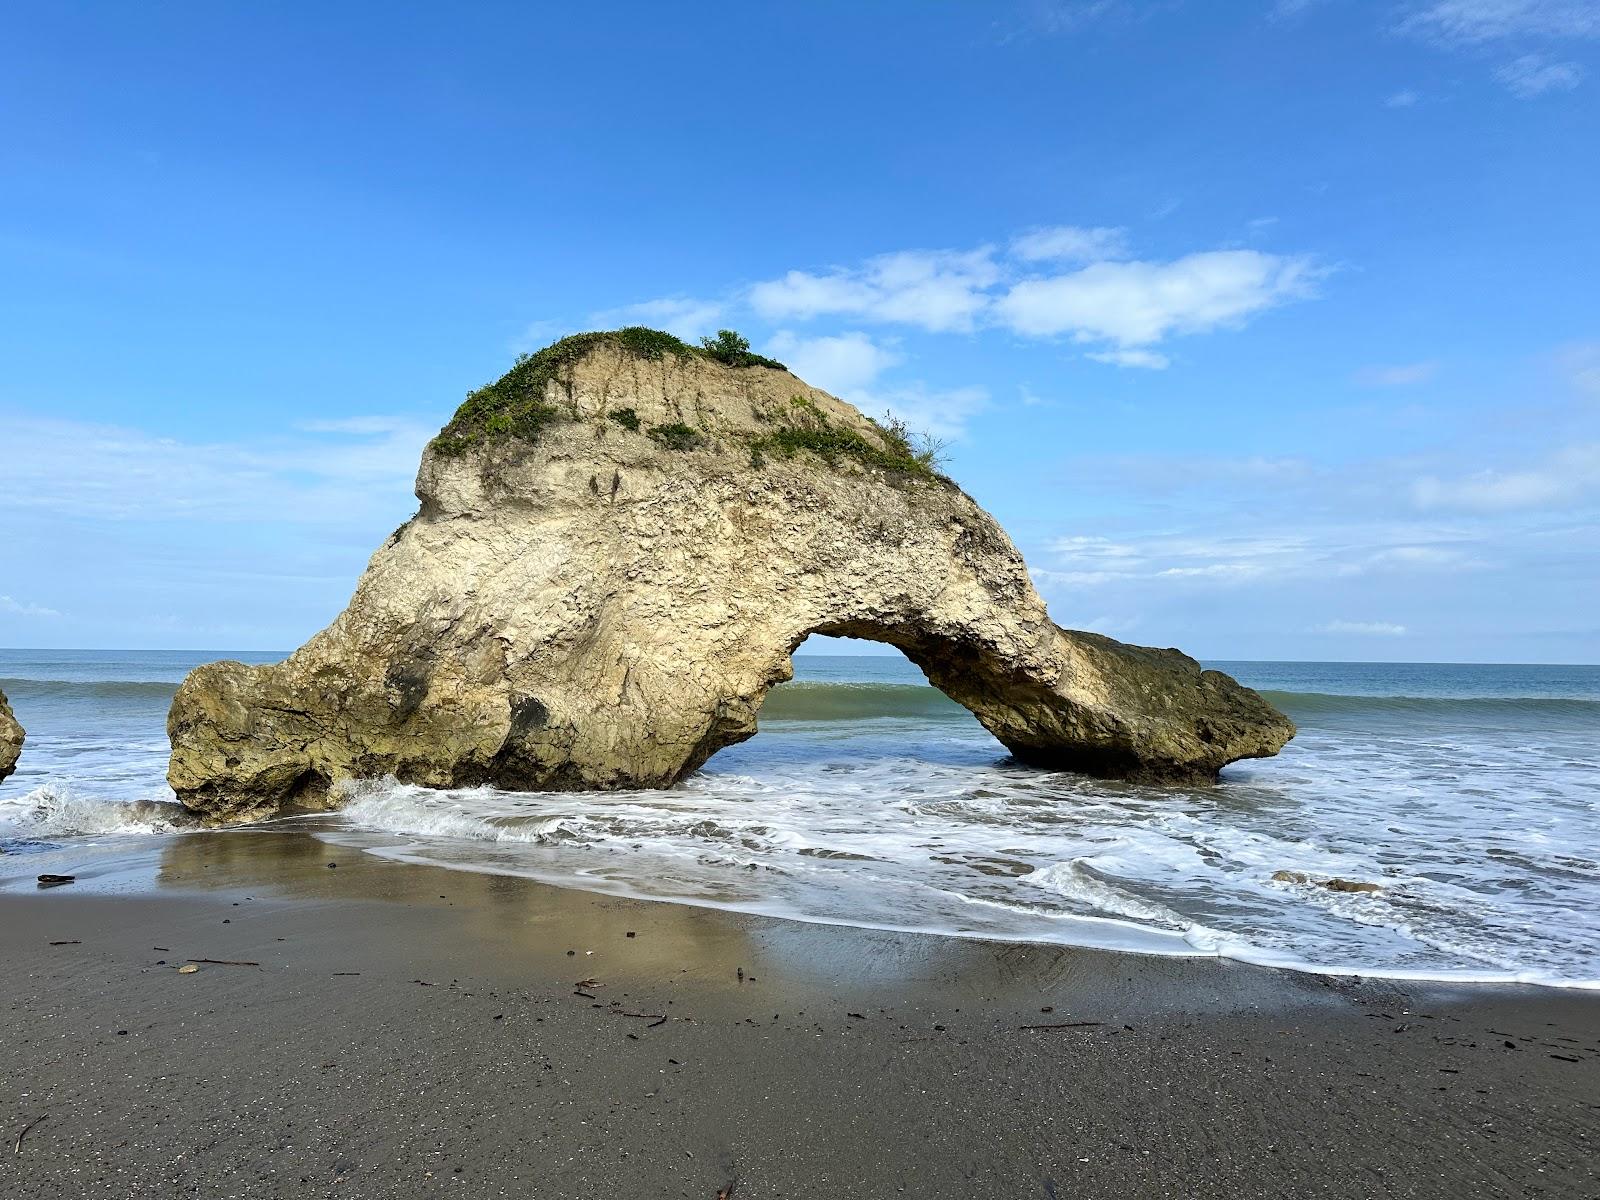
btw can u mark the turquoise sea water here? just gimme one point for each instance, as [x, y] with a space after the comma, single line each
[1469, 793]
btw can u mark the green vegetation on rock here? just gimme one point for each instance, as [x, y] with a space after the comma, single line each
[896, 449]
[734, 351]
[516, 406]
[676, 436]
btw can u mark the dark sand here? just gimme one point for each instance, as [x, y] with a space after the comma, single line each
[413, 1032]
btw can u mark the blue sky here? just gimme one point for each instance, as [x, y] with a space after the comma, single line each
[1269, 329]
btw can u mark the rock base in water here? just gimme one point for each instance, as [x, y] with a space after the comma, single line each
[11, 737]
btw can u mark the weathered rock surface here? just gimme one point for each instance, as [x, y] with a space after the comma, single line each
[616, 553]
[10, 739]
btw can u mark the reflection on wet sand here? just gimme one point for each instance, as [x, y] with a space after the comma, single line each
[517, 923]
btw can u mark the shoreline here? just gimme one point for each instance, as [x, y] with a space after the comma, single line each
[136, 870]
[412, 1029]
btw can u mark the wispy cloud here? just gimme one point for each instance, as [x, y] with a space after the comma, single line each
[1405, 98]
[324, 472]
[1069, 243]
[684, 316]
[1528, 28]
[1362, 628]
[1397, 375]
[1567, 477]
[1473, 22]
[941, 412]
[1580, 363]
[1533, 75]
[22, 608]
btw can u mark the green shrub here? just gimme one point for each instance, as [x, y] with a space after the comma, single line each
[729, 348]
[625, 417]
[676, 436]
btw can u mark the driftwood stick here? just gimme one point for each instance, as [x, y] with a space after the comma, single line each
[225, 962]
[24, 1133]
[1064, 1025]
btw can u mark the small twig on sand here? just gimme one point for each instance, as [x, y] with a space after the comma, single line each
[226, 962]
[1064, 1025]
[642, 1016]
[66, 943]
[24, 1133]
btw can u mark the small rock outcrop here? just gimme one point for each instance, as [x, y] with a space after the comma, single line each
[10, 739]
[619, 546]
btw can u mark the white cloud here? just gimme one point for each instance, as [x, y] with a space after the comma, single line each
[1212, 571]
[844, 363]
[1419, 558]
[1093, 548]
[1533, 75]
[1363, 628]
[1069, 243]
[1136, 304]
[1088, 561]
[938, 290]
[1400, 375]
[1150, 360]
[941, 414]
[1477, 21]
[1404, 98]
[21, 608]
[1568, 477]
[682, 316]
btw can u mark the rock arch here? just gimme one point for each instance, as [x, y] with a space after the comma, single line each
[618, 549]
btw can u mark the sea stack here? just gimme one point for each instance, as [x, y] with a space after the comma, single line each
[619, 546]
[10, 739]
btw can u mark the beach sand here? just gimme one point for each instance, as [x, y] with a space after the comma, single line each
[412, 1031]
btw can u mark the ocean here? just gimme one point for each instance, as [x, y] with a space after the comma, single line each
[1469, 793]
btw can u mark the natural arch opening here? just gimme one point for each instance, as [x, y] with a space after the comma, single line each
[857, 699]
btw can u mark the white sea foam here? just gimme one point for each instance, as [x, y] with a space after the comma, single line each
[53, 811]
[1478, 819]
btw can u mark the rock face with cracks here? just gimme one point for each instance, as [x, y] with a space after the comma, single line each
[619, 546]
[10, 739]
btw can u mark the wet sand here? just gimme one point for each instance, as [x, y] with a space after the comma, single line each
[411, 1031]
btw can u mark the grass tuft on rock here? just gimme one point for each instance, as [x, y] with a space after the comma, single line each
[625, 417]
[896, 448]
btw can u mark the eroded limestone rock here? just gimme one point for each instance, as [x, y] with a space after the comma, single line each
[618, 548]
[10, 739]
